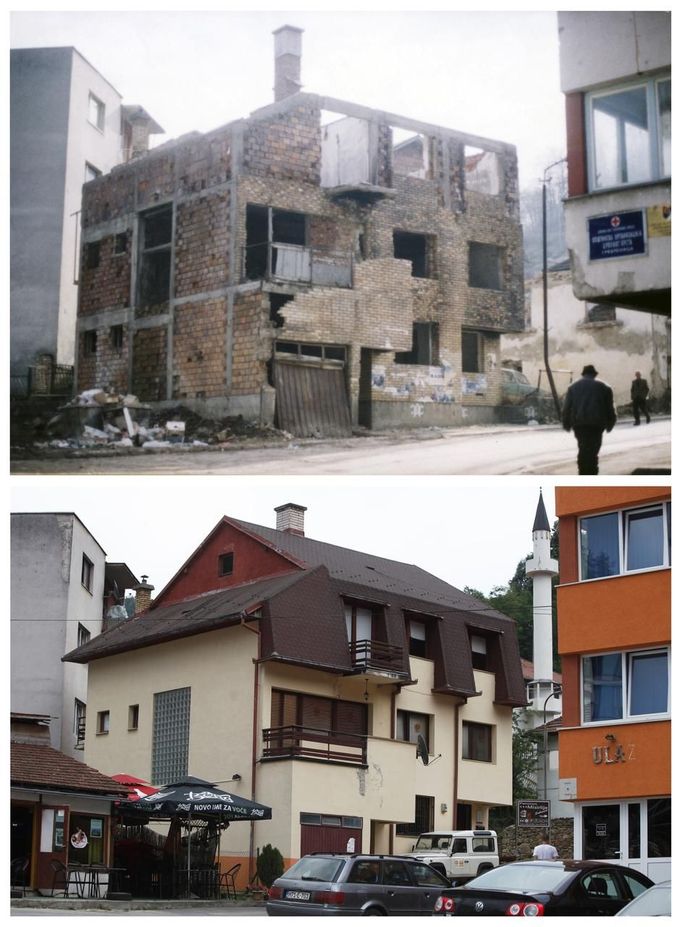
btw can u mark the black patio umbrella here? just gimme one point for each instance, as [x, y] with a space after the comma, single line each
[199, 797]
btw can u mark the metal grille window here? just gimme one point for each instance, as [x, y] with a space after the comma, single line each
[423, 818]
[170, 738]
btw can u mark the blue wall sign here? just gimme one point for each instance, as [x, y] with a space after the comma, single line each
[618, 235]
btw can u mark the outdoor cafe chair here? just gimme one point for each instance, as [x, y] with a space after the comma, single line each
[18, 870]
[227, 881]
[66, 876]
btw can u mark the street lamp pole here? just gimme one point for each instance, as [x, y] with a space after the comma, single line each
[555, 693]
[548, 369]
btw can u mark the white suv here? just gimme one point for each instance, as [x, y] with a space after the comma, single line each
[458, 854]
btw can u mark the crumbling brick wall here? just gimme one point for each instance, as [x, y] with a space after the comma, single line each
[252, 343]
[150, 363]
[107, 284]
[201, 245]
[199, 349]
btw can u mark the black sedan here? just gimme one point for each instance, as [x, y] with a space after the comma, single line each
[534, 889]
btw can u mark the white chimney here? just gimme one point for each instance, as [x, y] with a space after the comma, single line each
[290, 518]
[287, 61]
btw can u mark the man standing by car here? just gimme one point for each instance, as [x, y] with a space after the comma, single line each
[589, 411]
[638, 393]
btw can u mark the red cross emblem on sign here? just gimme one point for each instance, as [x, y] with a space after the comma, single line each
[615, 222]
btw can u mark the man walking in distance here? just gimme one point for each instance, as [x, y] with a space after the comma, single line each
[638, 393]
[545, 850]
[589, 411]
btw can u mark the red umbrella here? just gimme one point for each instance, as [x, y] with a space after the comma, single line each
[137, 787]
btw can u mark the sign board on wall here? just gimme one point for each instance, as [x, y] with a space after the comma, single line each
[617, 235]
[532, 813]
[658, 221]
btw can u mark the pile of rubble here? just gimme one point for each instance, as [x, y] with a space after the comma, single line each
[97, 418]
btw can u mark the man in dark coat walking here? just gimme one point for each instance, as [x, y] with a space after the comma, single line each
[638, 393]
[589, 411]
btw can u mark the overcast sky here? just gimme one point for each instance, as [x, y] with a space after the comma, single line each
[493, 74]
[469, 533]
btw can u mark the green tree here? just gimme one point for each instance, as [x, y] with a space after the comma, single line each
[269, 865]
[524, 772]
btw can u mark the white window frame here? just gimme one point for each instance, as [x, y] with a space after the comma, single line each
[100, 109]
[623, 540]
[626, 687]
[651, 86]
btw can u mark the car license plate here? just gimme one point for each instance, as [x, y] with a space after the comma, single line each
[292, 895]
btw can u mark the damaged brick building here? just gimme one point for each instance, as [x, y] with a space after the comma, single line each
[319, 264]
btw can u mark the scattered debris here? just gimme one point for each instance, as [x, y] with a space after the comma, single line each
[97, 419]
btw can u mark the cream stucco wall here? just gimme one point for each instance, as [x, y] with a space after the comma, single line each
[218, 666]
[481, 781]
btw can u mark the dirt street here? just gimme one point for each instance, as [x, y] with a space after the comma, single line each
[493, 450]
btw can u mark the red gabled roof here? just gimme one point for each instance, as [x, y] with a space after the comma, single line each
[528, 671]
[41, 766]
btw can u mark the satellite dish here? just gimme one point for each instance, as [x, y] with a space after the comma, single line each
[422, 750]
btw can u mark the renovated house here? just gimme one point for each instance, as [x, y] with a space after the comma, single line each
[614, 617]
[363, 699]
[319, 264]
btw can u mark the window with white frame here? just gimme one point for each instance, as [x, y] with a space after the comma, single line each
[625, 541]
[626, 685]
[629, 133]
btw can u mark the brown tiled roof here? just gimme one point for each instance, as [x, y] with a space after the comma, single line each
[528, 670]
[41, 766]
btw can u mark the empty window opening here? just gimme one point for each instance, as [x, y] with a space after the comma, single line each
[324, 351]
[410, 246]
[424, 345]
[155, 257]
[92, 255]
[121, 243]
[600, 312]
[277, 300]
[410, 154]
[481, 170]
[226, 564]
[268, 228]
[116, 337]
[485, 266]
[90, 343]
[472, 352]
[96, 112]
[102, 722]
[346, 157]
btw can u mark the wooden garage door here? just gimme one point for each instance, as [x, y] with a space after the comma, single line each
[331, 835]
[312, 400]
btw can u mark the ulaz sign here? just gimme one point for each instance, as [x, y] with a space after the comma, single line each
[612, 753]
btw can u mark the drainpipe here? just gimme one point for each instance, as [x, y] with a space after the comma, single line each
[456, 770]
[254, 737]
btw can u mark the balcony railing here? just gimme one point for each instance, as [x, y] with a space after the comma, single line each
[299, 741]
[376, 655]
[283, 263]
[80, 733]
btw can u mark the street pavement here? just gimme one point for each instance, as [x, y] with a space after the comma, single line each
[475, 450]
[184, 911]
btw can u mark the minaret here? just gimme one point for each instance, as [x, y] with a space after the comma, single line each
[541, 568]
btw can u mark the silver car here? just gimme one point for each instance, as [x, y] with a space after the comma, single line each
[330, 884]
[654, 902]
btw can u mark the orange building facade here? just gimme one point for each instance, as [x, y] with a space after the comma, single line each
[614, 629]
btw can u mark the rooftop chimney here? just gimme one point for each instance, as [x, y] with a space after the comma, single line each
[143, 595]
[287, 61]
[290, 518]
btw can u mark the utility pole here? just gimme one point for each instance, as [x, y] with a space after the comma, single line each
[548, 369]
